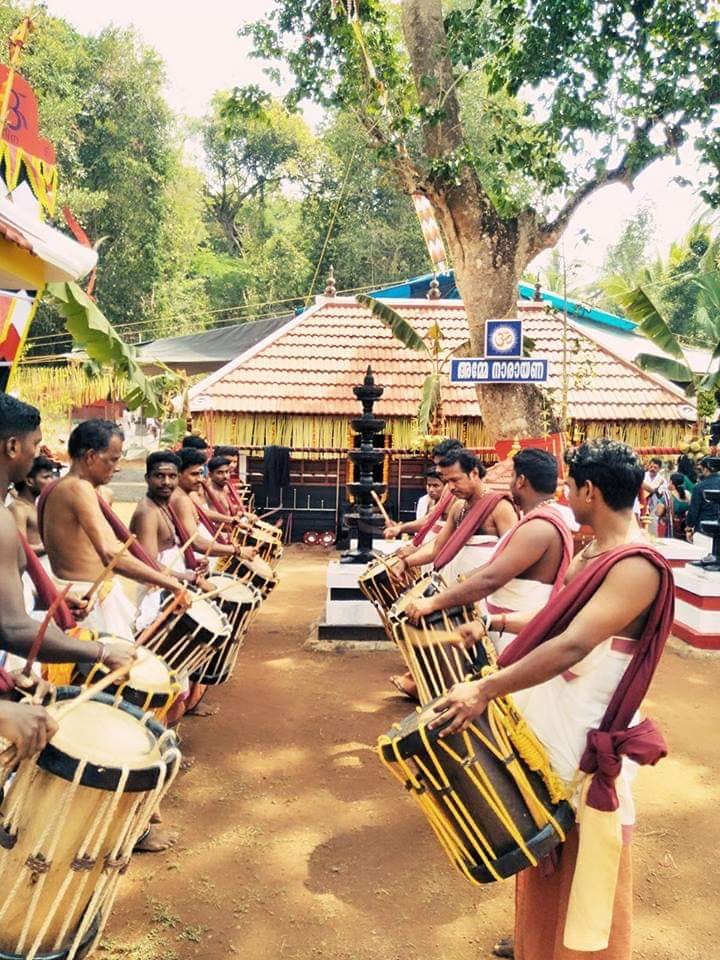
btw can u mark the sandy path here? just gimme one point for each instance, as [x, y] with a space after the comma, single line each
[295, 844]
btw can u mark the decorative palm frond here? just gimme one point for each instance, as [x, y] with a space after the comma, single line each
[398, 326]
[91, 330]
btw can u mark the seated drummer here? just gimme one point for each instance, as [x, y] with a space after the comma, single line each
[79, 539]
[591, 674]
[19, 437]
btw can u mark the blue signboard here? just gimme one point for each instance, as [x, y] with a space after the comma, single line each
[487, 370]
[503, 338]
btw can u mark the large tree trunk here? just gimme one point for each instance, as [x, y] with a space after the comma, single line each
[488, 253]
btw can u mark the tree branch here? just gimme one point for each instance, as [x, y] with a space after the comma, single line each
[549, 233]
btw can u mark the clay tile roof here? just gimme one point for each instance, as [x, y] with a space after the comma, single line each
[310, 364]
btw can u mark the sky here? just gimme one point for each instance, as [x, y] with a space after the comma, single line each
[202, 52]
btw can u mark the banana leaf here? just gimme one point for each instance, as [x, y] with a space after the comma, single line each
[173, 431]
[399, 327]
[528, 345]
[670, 369]
[640, 307]
[428, 403]
[91, 330]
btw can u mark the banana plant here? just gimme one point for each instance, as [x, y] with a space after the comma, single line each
[94, 333]
[429, 416]
[640, 305]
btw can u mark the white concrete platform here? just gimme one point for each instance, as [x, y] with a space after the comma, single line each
[697, 607]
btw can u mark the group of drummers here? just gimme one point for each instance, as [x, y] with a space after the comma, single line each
[103, 668]
[529, 661]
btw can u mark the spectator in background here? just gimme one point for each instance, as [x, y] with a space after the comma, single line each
[700, 509]
[434, 486]
[672, 509]
[653, 485]
[686, 466]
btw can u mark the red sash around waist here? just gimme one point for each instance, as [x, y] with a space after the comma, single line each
[614, 738]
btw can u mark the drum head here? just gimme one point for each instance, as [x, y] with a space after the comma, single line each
[261, 567]
[233, 590]
[150, 673]
[426, 586]
[117, 746]
[209, 616]
[105, 736]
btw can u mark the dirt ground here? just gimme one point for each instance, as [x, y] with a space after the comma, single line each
[295, 844]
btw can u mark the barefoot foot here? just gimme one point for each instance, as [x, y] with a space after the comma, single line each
[504, 948]
[156, 840]
[405, 685]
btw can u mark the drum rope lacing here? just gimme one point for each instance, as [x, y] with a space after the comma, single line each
[509, 730]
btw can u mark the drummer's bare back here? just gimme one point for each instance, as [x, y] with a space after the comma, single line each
[75, 530]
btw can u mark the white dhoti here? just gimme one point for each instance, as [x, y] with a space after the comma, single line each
[514, 597]
[112, 613]
[476, 553]
[150, 598]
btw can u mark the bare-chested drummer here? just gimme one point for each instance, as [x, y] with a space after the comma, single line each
[213, 497]
[154, 524]
[80, 541]
[19, 437]
[190, 482]
[463, 474]
[24, 506]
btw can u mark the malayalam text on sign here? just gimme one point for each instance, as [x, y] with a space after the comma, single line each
[483, 370]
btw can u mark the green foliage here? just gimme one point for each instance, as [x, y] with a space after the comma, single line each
[91, 331]
[397, 324]
[429, 402]
[640, 306]
[607, 81]
[628, 255]
[675, 284]
[100, 102]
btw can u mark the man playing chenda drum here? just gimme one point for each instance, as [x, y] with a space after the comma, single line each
[578, 671]
[475, 522]
[531, 560]
[27, 727]
[79, 539]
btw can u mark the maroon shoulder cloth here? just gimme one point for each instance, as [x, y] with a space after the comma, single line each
[183, 536]
[7, 682]
[474, 518]
[46, 590]
[114, 521]
[553, 518]
[606, 745]
[432, 518]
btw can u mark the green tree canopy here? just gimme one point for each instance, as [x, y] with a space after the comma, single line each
[567, 96]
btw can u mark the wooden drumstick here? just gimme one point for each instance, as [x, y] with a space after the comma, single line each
[211, 593]
[37, 642]
[168, 567]
[380, 507]
[67, 706]
[109, 568]
[162, 616]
